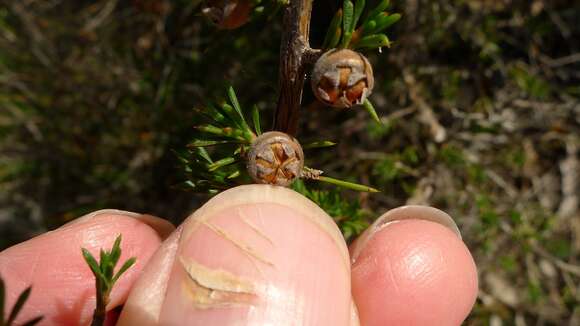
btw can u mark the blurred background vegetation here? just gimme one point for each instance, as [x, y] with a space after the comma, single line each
[480, 102]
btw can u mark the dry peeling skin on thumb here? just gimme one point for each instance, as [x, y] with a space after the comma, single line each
[259, 254]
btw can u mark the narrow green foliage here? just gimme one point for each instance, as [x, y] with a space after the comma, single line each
[347, 23]
[368, 26]
[359, 6]
[371, 110]
[378, 9]
[33, 321]
[334, 31]
[373, 42]
[234, 175]
[105, 276]
[202, 152]
[319, 144]
[204, 143]
[236, 104]
[348, 214]
[124, 268]
[16, 309]
[256, 120]
[385, 21]
[221, 163]
[228, 132]
[18, 305]
[347, 185]
[368, 35]
[229, 141]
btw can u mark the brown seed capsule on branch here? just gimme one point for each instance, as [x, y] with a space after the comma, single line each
[228, 14]
[342, 78]
[275, 158]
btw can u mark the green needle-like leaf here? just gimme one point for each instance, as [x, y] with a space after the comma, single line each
[373, 42]
[347, 23]
[202, 152]
[371, 110]
[234, 175]
[18, 305]
[359, 6]
[124, 268]
[236, 104]
[223, 132]
[378, 9]
[91, 261]
[115, 252]
[319, 144]
[205, 143]
[221, 163]
[334, 31]
[33, 321]
[383, 21]
[368, 26]
[346, 184]
[256, 120]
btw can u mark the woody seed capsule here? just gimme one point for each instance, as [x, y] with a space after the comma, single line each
[342, 78]
[275, 158]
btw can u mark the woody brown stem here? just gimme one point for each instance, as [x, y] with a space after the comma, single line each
[295, 55]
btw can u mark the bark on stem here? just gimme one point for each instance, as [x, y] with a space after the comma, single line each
[295, 55]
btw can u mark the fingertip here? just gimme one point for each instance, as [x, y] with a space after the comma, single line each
[259, 255]
[414, 272]
[62, 283]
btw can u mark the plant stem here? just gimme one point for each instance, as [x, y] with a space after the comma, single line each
[295, 55]
[100, 312]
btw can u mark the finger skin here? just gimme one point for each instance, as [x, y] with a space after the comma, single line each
[63, 288]
[253, 255]
[145, 300]
[413, 272]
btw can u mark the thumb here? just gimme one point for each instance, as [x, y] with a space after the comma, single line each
[253, 255]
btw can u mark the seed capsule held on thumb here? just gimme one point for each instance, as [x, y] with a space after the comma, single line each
[275, 158]
[342, 78]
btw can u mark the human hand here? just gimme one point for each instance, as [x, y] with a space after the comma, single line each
[252, 255]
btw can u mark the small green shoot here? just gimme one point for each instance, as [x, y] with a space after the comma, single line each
[16, 309]
[105, 276]
[350, 217]
[347, 30]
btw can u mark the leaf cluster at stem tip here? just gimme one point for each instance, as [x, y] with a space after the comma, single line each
[228, 135]
[13, 313]
[105, 276]
[346, 32]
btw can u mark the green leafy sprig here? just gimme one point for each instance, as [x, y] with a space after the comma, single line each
[229, 136]
[13, 313]
[350, 217]
[346, 32]
[105, 276]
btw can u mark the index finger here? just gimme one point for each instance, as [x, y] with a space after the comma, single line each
[63, 286]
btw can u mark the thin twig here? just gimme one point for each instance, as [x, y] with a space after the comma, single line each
[294, 50]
